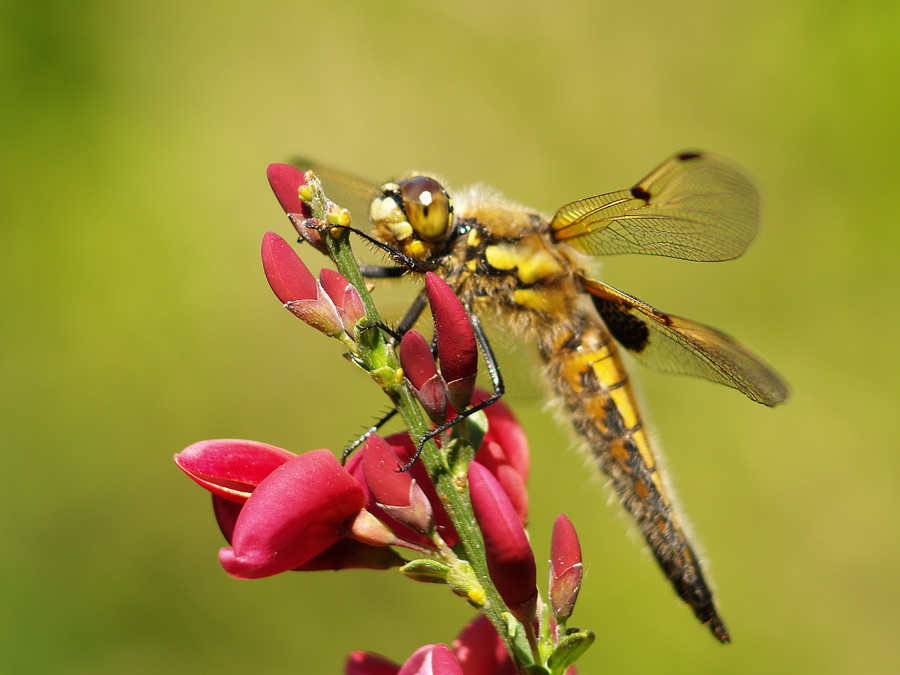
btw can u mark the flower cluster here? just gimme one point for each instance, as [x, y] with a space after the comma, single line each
[280, 511]
[458, 515]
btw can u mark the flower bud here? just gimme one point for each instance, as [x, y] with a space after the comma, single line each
[395, 491]
[297, 288]
[457, 349]
[566, 570]
[286, 181]
[427, 384]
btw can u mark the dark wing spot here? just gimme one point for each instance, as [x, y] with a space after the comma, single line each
[640, 193]
[686, 156]
[627, 329]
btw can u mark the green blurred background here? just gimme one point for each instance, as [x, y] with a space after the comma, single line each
[136, 319]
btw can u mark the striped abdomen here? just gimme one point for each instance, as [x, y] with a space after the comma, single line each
[588, 375]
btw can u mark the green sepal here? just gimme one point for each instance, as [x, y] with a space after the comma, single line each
[569, 649]
[427, 571]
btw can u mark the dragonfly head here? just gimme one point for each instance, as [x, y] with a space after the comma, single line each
[414, 215]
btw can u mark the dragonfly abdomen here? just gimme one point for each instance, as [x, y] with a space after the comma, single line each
[588, 375]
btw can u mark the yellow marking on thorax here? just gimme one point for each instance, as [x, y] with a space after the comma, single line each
[528, 256]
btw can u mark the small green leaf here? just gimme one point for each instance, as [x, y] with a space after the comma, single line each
[569, 649]
[427, 571]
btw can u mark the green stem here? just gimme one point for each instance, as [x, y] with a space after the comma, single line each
[451, 489]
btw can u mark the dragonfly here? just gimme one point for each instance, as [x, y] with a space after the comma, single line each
[535, 275]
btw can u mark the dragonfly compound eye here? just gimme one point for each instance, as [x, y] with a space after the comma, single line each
[428, 207]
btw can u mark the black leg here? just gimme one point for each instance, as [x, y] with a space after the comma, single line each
[496, 380]
[371, 430]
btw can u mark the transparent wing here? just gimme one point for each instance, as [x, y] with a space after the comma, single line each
[347, 191]
[693, 206]
[673, 344]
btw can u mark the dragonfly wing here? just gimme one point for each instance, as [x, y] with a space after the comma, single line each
[693, 206]
[673, 344]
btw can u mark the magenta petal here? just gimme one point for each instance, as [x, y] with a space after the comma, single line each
[293, 515]
[509, 556]
[388, 485]
[432, 660]
[504, 428]
[226, 512]
[345, 298]
[480, 650]
[230, 468]
[367, 663]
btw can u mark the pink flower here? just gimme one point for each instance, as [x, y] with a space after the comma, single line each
[282, 511]
[295, 514]
[477, 650]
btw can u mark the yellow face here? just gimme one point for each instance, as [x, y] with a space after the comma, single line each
[414, 216]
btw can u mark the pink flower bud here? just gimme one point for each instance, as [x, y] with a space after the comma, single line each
[432, 660]
[230, 468]
[566, 570]
[422, 374]
[396, 492]
[293, 515]
[457, 349]
[297, 288]
[345, 297]
[509, 557]
[286, 181]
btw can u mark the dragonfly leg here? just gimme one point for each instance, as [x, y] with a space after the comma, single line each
[496, 381]
[371, 430]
